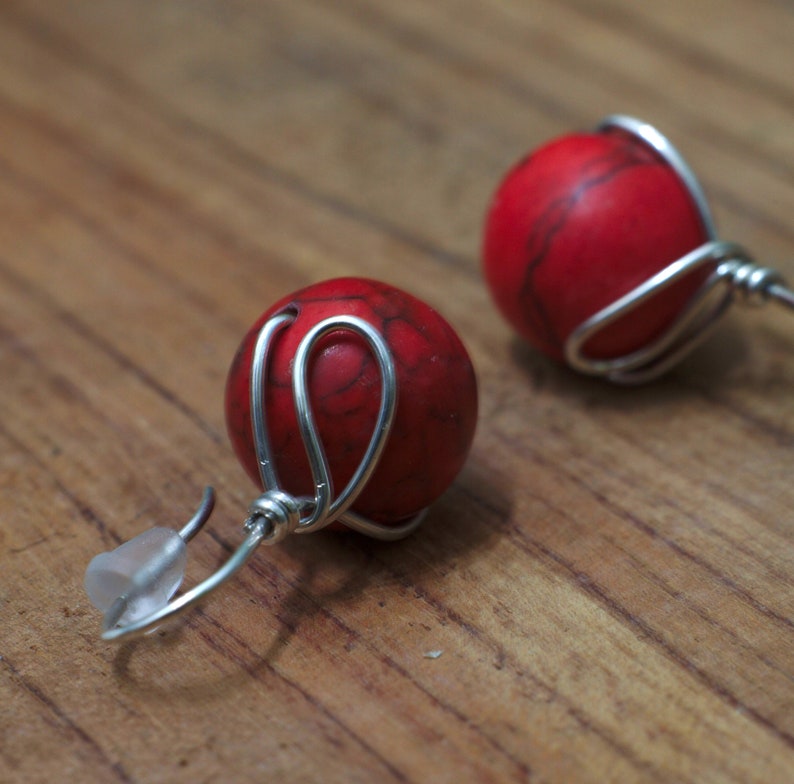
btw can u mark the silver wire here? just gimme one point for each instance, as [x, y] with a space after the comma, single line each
[324, 509]
[195, 524]
[735, 276]
[267, 470]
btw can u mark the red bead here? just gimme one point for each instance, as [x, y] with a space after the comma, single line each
[436, 397]
[579, 223]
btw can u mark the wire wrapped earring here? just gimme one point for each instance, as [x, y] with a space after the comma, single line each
[348, 383]
[600, 250]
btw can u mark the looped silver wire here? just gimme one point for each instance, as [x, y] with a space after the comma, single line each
[275, 514]
[691, 326]
[323, 509]
[735, 276]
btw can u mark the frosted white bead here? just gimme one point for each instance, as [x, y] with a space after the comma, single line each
[147, 570]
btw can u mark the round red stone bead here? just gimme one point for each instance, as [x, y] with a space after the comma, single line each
[577, 224]
[436, 409]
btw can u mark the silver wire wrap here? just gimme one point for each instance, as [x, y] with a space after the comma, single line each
[735, 276]
[323, 509]
[275, 513]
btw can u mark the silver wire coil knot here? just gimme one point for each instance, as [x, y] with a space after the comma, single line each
[278, 511]
[750, 281]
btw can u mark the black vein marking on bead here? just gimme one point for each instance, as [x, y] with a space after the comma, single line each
[391, 323]
[390, 311]
[554, 220]
[366, 361]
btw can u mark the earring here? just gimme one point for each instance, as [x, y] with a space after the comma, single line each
[601, 251]
[350, 384]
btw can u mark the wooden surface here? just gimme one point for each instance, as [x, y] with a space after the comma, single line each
[609, 582]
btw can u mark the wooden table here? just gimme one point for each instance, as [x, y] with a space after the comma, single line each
[605, 594]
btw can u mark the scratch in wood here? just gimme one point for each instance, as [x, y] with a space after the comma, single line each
[385, 658]
[85, 511]
[213, 641]
[704, 615]
[600, 593]
[90, 336]
[18, 550]
[648, 529]
[228, 149]
[64, 721]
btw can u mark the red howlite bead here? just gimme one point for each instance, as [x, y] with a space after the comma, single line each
[579, 223]
[436, 397]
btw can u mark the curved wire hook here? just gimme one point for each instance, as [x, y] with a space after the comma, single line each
[110, 628]
[275, 513]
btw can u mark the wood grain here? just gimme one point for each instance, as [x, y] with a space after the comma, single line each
[610, 579]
